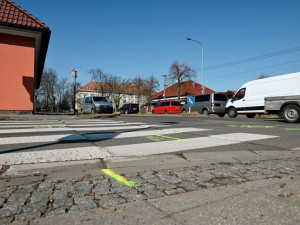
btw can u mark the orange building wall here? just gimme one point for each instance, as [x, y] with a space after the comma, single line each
[16, 72]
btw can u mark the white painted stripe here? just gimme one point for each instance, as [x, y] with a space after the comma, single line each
[88, 153]
[39, 130]
[57, 155]
[242, 137]
[92, 121]
[142, 133]
[37, 139]
[93, 137]
[31, 125]
[178, 145]
[70, 125]
[105, 124]
[27, 122]
[296, 149]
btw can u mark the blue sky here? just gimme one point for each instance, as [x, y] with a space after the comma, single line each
[139, 37]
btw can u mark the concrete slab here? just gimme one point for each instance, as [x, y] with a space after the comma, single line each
[182, 202]
[131, 213]
[250, 208]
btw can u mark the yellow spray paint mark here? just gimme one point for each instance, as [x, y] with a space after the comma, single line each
[50, 126]
[172, 138]
[291, 128]
[119, 178]
[163, 137]
[251, 126]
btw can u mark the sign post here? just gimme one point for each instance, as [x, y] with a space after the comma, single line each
[191, 102]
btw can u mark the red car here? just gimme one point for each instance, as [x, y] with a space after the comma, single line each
[167, 107]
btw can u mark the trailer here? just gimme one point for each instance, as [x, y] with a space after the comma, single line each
[287, 107]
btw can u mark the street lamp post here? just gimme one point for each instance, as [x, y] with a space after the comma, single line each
[189, 39]
[74, 73]
[164, 86]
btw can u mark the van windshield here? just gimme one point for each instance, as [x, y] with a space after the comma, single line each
[100, 99]
[240, 94]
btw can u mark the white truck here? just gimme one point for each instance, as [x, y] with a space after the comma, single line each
[250, 98]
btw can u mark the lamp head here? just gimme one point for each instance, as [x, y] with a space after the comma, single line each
[188, 39]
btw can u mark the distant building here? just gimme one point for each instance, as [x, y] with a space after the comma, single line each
[23, 47]
[187, 88]
[122, 94]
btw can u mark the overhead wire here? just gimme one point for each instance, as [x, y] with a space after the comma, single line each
[264, 56]
[232, 74]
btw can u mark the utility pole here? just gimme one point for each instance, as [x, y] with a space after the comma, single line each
[164, 86]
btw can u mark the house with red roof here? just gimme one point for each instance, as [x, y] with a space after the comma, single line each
[122, 93]
[24, 42]
[187, 88]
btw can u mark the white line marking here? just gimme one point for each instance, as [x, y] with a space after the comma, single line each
[296, 149]
[57, 155]
[87, 153]
[70, 125]
[39, 130]
[37, 139]
[178, 145]
[93, 137]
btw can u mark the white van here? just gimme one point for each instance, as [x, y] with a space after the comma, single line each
[250, 97]
[96, 104]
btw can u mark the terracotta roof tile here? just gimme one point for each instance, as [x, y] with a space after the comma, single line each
[187, 88]
[13, 14]
[92, 86]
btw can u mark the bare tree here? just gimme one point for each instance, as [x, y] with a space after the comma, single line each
[61, 91]
[262, 76]
[139, 84]
[180, 72]
[47, 94]
[119, 91]
[151, 85]
[100, 78]
[112, 82]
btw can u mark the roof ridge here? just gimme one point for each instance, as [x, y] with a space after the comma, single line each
[30, 16]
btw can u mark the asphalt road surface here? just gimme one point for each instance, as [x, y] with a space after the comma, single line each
[24, 142]
[57, 166]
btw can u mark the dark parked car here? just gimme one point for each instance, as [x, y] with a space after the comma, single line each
[129, 108]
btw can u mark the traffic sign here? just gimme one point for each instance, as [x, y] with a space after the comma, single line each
[74, 73]
[191, 101]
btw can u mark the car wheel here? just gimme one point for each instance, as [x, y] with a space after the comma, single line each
[184, 111]
[166, 112]
[232, 113]
[82, 111]
[250, 115]
[221, 114]
[153, 112]
[205, 112]
[291, 113]
[93, 111]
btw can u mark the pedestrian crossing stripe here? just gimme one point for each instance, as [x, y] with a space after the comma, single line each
[141, 149]
[72, 129]
[95, 137]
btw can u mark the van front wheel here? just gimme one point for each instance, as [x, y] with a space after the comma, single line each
[232, 113]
